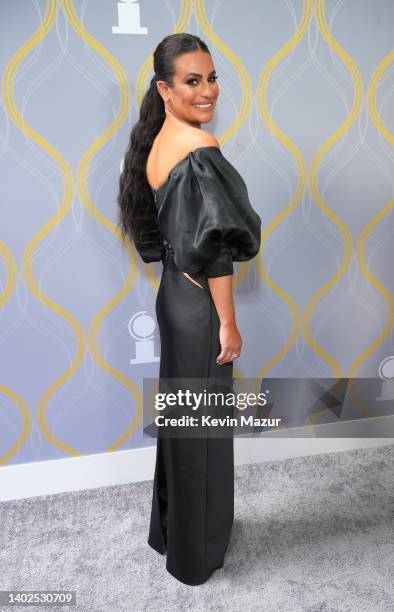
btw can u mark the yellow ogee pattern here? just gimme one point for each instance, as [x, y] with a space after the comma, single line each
[51, 8]
[342, 227]
[310, 7]
[361, 246]
[83, 191]
[11, 268]
[262, 87]
[10, 284]
[372, 89]
[387, 295]
[26, 422]
[320, 153]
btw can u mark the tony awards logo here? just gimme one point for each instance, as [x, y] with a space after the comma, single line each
[386, 372]
[141, 327]
[129, 19]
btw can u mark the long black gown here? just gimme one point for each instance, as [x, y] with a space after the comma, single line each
[204, 222]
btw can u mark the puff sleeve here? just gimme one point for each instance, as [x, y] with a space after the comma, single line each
[150, 247]
[214, 223]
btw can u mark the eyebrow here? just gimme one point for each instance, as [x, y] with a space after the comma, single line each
[199, 75]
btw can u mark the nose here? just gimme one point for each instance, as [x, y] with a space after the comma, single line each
[207, 91]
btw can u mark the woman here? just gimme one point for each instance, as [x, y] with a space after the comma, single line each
[183, 203]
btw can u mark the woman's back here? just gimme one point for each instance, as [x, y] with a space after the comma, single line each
[171, 145]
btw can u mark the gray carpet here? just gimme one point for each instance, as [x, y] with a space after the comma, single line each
[310, 534]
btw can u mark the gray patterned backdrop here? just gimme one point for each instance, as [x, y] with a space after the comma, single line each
[305, 113]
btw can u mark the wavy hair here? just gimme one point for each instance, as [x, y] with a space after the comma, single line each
[137, 209]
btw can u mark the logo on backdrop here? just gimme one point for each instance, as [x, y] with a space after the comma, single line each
[129, 19]
[386, 373]
[141, 327]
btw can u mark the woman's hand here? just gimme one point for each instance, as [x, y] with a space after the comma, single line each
[230, 342]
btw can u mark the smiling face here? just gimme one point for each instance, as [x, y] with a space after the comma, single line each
[193, 97]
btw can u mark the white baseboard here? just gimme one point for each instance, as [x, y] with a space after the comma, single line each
[135, 465]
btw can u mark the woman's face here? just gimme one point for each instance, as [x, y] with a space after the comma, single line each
[194, 84]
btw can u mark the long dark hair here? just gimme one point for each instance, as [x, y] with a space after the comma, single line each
[136, 205]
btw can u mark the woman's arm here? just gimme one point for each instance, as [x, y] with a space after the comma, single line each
[230, 339]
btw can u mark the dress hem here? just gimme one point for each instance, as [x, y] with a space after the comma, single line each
[195, 583]
[162, 551]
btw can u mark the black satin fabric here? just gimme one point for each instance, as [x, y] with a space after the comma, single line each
[204, 213]
[193, 491]
[205, 222]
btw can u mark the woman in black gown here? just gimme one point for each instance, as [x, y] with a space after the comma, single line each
[197, 222]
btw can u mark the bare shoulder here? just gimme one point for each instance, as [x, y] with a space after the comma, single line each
[197, 138]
